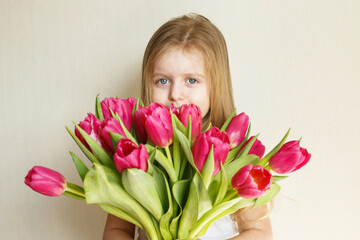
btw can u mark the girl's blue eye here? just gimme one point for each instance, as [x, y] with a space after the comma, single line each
[163, 81]
[192, 80]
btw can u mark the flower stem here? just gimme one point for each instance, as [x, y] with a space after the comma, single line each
[168, 154]
[74, 191]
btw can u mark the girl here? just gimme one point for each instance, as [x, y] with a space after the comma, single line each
[186, 61]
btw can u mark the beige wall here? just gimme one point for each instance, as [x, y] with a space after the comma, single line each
[294, 64]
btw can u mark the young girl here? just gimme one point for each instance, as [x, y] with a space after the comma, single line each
[186, 61]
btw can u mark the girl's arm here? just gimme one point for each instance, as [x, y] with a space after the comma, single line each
[254, 223]
[118, 229]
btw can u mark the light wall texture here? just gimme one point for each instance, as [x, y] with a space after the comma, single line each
[294, 64]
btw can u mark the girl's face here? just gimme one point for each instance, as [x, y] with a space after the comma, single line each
[179, 77]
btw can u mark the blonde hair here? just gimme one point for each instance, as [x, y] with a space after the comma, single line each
[188, 32]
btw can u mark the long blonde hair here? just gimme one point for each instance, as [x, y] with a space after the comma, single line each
[188, 32]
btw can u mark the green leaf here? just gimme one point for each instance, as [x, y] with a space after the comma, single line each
[208, 168]
[80, 166]
[277, 178]
[223, 186]
[270, 194]
[142, 187]
[98, 109]
[115, 137]
[120, 214]
[266, 159]
[166, 218]
[103, 186]
[185, 144]
[84, 149]
[228, 120]
[190, 213]
[164, 162]
[127, 133]
[248, 146]
[101, 154]
[188, 129]
[180, 126]
[204, 198]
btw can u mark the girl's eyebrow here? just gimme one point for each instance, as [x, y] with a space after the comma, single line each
[185, 74]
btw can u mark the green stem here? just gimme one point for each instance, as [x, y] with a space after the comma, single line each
[75, 189]
[230, 196]
[168, 154]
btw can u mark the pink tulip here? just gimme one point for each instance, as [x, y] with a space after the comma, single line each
[139, 120]
[122, 107]
[91, 126]
[158, 125]
[237, 129]
[252, 181]
[129, 155]
[196, 119]
[109, 125]
[45, 181]
[257, 148]
[202, 146]
[289, 158]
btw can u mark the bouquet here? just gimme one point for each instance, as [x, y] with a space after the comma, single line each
[154, 167]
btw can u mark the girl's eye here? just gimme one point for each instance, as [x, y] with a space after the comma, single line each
[163, 81]
[192, 80]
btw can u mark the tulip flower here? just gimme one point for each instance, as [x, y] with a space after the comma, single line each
[109, 125]
[196, 119]
[237, 129]
[257, 148]
[45, 181]
[129, 155]
[91, 126]
[252, 181]
[289, 158]
[158, 125]
[202, 146]
[122, 107]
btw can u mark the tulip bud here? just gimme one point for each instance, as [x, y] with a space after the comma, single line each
[289, 158]
[129, 155]
[109, 125]
[202, 146]
[91, 126]
[196, 119]
[237, 129]
[252, 181]
[257, 148]
[45, 181]
[158, 125]
[122, 107]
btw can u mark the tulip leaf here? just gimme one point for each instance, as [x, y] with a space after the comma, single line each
[98, 109]
[102, 155]
[80, 166]
[190, 213]
[120, 214]
[267, 157]
[185, 144]
[161, 184]
[127, 133]
[115, 137]
[241, 204]
[180, 190]
[175, 119]
[84, 149]
[209, 126]
[188, 129]
[228, 120]
[277, 178]
[208, 216]
[270, 194]
[235, 151]
[103, 186]
[176, 155]
[164, 162]
[204, 198]
[208, 168]
[222, 186]
[165, 219]
[142, 187]
[248, 146]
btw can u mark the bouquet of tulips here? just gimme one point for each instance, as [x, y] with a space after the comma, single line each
[153, 167]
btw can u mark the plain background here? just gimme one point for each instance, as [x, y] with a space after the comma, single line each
[294, 64]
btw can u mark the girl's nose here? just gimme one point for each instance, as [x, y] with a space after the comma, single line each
[176, 93]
